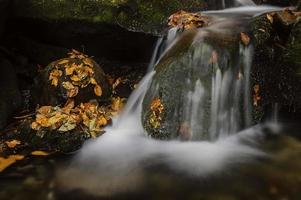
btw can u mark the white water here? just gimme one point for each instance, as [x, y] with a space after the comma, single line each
[117, 161]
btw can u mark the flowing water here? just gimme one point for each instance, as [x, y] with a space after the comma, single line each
[237, 161]
[118, 162]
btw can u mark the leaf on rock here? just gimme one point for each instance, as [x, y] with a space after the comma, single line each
[39, 153]
[245, 38]
[270, 17]
[63, 61]
[12, 143]
[6, 162]
[54, 76]
[98, 90]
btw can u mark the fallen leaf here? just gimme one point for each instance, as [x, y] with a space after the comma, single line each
[245, 38]
[270, 17]
[6, 162]
[98, 90]
[63, 61]
[39, 153]
[12, 143]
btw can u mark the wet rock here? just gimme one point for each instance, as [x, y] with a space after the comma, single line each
[278, 2]
[10, 97]
[79, 78]
[178, 101]
[277, 48]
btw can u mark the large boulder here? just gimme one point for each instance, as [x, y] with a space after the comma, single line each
[180, 101]
[78, 77]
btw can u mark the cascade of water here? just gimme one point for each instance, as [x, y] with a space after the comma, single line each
[114, 162]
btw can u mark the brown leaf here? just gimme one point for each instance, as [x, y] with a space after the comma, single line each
[245, 38]
[44, 110]
[12, 143]
[98, 90]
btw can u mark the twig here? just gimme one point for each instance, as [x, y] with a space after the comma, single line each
[25, 116]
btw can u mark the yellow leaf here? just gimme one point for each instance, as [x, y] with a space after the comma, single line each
[93, 81]
[72, 92]
[39, 153]
[98, 90]
[270, 18]
[55, 81]
[75, 78]
[44, 110]
[12, 143]
[63, 61]
[117, 104]
[88, 62]
[6, 162]
[67, 85]
[70, 69]
[35, 126]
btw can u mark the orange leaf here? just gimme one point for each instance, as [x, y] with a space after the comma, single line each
[98, 90]
[12, 143]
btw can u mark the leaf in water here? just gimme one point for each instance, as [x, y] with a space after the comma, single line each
[245, 38]
[98, 90]
[39, 153]
[256, 95]
[12, 143]
[6, 162]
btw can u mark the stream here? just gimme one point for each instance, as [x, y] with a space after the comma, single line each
[224, 156]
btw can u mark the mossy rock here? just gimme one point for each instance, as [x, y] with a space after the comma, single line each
[49, 94]
[138, 15]
[50, 141]
[179, 74]
[276, 62]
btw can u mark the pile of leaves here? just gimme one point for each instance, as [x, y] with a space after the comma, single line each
[157, 109]
[90, 117]
[185, 20]
[75, 72]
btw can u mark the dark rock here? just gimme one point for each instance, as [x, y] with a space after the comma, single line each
[278, 2]
[277, 64]
[48, 94]
[10, 97]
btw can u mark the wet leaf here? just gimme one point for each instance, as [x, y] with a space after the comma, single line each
[44, 110]
[245, 38]
[39, 153]
[6, 162]
[54, 76]
[12, 143]
[98, 90]
[88, 62]
[270, 17]
[157, 109]
[186, 20]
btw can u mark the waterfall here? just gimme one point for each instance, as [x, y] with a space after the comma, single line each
[217, 101]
